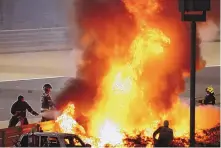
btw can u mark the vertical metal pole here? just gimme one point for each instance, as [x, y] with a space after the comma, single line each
[192, 83]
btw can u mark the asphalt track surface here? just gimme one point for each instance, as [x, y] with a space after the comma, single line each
[32, 89]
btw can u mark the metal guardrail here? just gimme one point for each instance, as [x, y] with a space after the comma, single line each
[34, 39]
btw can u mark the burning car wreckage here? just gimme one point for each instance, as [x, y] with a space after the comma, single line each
[134, 62]
[111, 137]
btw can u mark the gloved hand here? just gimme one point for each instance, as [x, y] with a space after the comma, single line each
[35, 113]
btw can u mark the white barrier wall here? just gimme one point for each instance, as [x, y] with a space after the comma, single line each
[32, 14]
[34, 25]
[30, 40]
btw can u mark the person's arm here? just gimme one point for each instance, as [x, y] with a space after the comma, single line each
[42, 100]
[214, 100]
[28, 107]
[172, 136]
[210, 100]
[13, 109]
[207, 100]
[155, 133]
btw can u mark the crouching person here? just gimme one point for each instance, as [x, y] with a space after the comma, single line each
[18, 111]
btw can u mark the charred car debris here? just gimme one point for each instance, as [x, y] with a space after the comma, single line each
[50, 139]
[205, 138]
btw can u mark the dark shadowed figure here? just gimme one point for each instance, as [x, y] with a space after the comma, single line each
[165, 135]
[209, 98]
[18, 111]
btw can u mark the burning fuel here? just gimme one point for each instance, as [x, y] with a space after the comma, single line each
[66, 123]
[112, 135]
[135, 58]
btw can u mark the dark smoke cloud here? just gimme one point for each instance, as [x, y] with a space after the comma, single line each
[77, 91]
[92, 18]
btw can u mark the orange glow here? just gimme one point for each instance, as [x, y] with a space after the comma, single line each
[140, 86]
[113, 131]
[66, 123]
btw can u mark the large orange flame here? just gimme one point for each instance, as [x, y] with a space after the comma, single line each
[136, 54]
[110, 133]
[66, 123]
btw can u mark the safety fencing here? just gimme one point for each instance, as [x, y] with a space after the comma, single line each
[9, 136]
[32, 40]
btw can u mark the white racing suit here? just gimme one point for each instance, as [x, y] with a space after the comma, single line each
[46, 105]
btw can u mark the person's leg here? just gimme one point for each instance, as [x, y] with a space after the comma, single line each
[13, 121]
[43, 119]
[25, 122]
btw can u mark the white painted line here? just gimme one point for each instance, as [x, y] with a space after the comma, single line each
[33, 29]
[35, 79]
[212, 65]
[64, 76]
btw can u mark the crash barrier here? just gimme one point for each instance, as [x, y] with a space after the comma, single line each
[9, 136]
[32, 40]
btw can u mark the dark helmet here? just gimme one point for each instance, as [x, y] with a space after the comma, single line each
[20, 98]
[47, 86]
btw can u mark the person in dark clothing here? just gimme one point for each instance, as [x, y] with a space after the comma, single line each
[165, 135]
[18, 111]
[209, 98]
[46, 101]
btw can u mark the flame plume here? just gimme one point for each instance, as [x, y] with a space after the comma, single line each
[135, 57]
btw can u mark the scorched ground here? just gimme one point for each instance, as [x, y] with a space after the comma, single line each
[135, 56]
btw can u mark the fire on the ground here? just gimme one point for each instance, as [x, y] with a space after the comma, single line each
[136, 55]
[109, 133]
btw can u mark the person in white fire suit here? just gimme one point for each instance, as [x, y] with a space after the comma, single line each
[209, 98]
[165, 135]
[46, 101]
